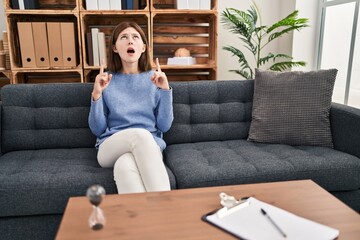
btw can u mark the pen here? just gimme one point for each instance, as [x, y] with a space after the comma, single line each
[273, 223]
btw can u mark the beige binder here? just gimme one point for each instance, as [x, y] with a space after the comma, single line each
[54, 42]
[40, 44]
[68, 44]
[26, 44]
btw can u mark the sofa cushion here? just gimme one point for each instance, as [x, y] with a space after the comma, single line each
[206, 111]
[40, 116]
[239, 161]
[292, 107]
[36, 182]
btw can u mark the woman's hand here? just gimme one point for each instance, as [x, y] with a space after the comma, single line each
[102, 80]
[159, 78]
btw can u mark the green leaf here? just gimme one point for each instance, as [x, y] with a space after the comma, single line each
[244, 74]
[254, 38]
[283, 66]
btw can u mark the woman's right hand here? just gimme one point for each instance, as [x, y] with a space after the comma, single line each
[102, 80]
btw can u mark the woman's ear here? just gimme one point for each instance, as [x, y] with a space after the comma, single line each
[114, 49]
[144, 48]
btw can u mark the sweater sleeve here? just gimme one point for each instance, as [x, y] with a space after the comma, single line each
[97, 117]
[164, 115]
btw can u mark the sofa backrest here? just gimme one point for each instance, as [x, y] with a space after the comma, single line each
[210, 111]
[41, 116]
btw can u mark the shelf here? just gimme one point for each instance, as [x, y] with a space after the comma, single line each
[44, 5]
[13, 19]
[44, 76]
[106, 23]
[144, 3]
[167, 29]
[5, 77]
[170, 6]
[196, 31]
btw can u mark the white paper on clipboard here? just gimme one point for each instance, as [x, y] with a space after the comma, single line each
[247, 222]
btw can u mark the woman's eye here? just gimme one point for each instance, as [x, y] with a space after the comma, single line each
[123, 37]
[136, 37]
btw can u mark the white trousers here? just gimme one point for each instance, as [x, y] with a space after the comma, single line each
[137, 161]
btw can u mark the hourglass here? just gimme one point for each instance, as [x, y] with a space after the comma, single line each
[95, 194]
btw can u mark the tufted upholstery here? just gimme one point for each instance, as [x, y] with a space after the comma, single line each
[204, 111]
[230, 162]
[207, 143]
[38, 116]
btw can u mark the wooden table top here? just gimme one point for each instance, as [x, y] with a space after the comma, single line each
[177, 214]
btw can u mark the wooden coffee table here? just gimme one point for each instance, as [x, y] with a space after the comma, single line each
[177, 214]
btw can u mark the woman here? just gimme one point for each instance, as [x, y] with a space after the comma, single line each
[131, 107]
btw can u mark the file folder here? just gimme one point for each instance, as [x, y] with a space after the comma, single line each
[26, 44]
[247, 221]
[54, 42]
[68, 44]
[40, 44]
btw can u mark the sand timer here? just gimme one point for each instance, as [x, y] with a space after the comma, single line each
[95, 194]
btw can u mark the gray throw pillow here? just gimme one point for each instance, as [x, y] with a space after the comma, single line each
[292, 107]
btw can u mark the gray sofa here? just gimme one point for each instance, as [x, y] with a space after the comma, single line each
[48, 155]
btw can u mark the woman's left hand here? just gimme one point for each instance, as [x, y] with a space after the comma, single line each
[159, 78]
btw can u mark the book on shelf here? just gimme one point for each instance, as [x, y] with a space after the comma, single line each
[129, 4]
[95, 46]
[92, 5]
[124, 4]
[132, 4]
[193, 4]
[15, 4]
[115, 4]
[21, 4]
[89, 49]
[103, 4]
[102, 48]
[205, 4]
[31, 4]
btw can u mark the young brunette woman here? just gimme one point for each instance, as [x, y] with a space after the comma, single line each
[131, 108]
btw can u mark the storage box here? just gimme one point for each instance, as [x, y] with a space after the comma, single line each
[181, 61]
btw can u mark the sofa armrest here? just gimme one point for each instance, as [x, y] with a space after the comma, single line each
[345, 128]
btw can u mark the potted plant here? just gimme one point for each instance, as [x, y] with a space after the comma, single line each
[256, 36]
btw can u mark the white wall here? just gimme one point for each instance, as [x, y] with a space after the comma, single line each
[305, 42]
[271, 11]
[2, 19]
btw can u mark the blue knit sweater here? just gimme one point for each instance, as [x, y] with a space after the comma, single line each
[131, 101]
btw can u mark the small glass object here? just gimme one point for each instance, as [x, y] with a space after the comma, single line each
[95, 194]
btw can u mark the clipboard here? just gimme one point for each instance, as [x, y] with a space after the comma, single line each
[245, 220]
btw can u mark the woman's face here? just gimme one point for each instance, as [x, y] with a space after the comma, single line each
[129, 45]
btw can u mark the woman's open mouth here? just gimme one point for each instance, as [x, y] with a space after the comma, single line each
[130, 51]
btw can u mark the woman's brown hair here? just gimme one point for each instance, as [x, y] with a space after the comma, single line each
[115, 64]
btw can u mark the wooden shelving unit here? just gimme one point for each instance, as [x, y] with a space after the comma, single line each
[49, 11]
[167, 29]
[106, 21]
[195, 30]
